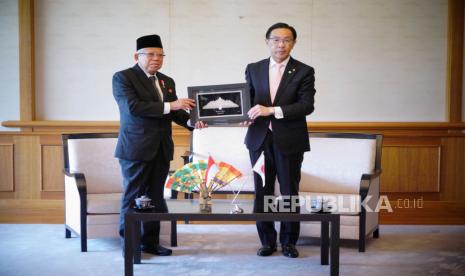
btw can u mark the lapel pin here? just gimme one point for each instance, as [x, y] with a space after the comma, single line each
[170, 90]
[162, 82]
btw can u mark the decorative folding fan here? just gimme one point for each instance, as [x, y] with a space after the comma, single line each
[193, 177]
[188, 177]
[226, 174]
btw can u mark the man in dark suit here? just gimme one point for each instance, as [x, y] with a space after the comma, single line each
[148, 104]
[282, 93]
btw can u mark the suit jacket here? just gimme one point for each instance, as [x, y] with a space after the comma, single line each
[143, 126]
[295, 96]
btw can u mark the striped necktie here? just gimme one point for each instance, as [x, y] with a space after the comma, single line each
[154, 81]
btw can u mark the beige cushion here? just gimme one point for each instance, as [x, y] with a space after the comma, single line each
[335, 165]
[95, 158]
[104, 203]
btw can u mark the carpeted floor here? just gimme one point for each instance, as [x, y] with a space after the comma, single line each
[30, 249]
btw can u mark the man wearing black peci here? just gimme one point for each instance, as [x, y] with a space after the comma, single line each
[147, 104]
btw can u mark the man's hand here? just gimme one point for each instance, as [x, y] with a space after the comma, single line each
[200, 125]
[245, 123]
[184, 103]
[260, 110]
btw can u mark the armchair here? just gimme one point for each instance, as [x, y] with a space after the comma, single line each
[93, 187]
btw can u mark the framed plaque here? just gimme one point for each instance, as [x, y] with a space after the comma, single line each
[220, 104]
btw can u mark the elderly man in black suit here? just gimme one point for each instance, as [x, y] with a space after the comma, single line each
[147, 104]
[282, 94]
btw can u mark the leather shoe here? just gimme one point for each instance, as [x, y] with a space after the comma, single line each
[157, 250]
[290, 251]
[266, 250]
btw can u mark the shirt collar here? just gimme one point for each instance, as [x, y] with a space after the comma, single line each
[285, 62]
[148, 75]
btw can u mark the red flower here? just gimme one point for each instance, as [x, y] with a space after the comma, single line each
[162, 82]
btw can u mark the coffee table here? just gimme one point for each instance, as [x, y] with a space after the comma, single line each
[179, 209]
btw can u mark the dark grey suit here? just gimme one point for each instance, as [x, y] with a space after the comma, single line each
[285, 145]
[145, 145]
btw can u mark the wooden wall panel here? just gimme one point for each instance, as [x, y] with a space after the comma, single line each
[177, 161]
[6, 168]
[410, 169]
[32, 211]
[26, 60]
[27, 167]
[455, 43]
[425, 212]
[52, 168]
[453, 175]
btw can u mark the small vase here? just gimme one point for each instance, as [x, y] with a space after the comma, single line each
[205, 202]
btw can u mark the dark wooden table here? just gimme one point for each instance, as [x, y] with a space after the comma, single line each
[189, 210]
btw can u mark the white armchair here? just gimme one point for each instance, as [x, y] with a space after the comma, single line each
[344, 168]
[93, 187]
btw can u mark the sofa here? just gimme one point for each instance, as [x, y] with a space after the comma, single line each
[342, 169]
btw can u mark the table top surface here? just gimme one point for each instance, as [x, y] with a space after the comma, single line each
[222, 210]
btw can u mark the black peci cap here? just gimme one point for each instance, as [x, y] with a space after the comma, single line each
[149, 41]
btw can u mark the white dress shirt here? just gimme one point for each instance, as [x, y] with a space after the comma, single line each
[167, 107]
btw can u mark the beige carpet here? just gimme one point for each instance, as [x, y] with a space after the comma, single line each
[230, 250]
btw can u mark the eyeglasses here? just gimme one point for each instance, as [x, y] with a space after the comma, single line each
[276, 41]
[152, 55]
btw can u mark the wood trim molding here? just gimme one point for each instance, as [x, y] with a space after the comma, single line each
[26, 60]
[455, 49]
[392, 129]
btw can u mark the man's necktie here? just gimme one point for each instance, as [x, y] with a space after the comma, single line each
[275, 79]
[154, 81]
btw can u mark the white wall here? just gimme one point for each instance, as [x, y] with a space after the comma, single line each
[9, 62]
[375, 60]
[380, 60]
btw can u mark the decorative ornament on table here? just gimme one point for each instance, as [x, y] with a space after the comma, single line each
[203, 177]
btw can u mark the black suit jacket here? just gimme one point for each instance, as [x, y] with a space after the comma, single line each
[295, 96]
[143, 126]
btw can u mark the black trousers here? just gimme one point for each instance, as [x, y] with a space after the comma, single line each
[286, 167]
[144, 178]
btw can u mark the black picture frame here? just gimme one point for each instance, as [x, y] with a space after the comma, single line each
[220, 104]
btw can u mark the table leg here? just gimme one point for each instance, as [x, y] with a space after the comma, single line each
[174, 233]
[324, 243]
[128, 246]
[136, 242]
[335, 231]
